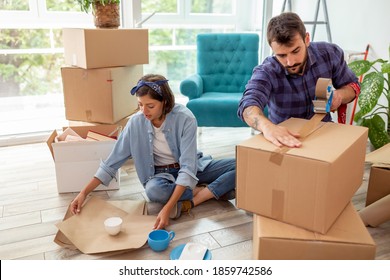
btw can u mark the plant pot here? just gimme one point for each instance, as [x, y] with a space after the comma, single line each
[106, 16]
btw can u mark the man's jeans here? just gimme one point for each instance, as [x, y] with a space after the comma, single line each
[220, 175]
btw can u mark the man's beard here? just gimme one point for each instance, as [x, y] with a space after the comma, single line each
[300, 66]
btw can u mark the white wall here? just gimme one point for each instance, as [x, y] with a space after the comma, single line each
[354, 24]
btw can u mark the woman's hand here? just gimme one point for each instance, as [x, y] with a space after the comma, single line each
[75, 205]
[162, 218]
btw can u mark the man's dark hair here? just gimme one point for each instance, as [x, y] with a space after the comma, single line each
[283, 28]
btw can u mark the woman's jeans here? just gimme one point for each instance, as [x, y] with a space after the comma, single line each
[220, 175]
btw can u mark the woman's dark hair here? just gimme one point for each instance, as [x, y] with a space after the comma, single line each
[166, 97]
[283, 28]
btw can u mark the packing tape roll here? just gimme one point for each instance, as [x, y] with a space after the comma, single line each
[311, 125]
[322, 88]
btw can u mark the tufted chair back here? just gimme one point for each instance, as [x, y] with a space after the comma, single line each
[226, 61]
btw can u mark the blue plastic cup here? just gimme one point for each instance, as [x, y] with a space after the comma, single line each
[159, 239]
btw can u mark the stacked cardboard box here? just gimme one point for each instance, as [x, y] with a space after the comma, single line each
[100, 95]
[302, 190]
[102, 67]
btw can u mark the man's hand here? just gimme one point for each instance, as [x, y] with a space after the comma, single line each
[281, 136]
[336, 101]
[277, 135]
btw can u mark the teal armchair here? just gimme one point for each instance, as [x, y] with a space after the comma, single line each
[225, 62]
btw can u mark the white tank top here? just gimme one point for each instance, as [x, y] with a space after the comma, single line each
[161, 151]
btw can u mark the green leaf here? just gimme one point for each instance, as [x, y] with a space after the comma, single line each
[386, 67]
[358, 118]
[371, 89]
[377, 132]
[359, 67]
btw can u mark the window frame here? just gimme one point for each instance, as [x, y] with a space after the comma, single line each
[39, 17]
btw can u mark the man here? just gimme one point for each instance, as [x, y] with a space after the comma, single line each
[286, 81]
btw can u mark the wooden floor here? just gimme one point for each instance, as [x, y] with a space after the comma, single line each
[30, 207]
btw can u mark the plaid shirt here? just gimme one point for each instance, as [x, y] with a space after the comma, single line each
[290, 95]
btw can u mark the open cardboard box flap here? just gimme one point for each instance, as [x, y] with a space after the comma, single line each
[380, 156]
[106, 129]
[319, 144]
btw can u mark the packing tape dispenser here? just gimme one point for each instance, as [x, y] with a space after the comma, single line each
[324, 96]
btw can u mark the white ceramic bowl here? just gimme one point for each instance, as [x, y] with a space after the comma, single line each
[113, 225]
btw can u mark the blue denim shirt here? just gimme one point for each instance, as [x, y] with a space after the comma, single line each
[289, 95]
[136, 142]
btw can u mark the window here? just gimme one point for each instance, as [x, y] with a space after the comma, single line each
[31, 56]
[31, 52]
[175, 24]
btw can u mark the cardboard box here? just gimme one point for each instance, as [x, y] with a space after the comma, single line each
[347, 239]
[99, 48]
[308, 186]
[376, 213]
[77, 162]
[377, 210]
[122, 123]
[379, 181]
[100, 95]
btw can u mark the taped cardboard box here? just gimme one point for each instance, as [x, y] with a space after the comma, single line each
[100, 48]
[307, 186]
[347, 239]
[77, 162]
[100, 95]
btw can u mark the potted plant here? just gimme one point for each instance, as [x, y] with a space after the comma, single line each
[105, 12]
[375, 85]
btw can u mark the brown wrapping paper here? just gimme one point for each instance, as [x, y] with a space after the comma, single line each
[377, 212]
[86, 232]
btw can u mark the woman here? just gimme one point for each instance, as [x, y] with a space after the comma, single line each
[161, 140]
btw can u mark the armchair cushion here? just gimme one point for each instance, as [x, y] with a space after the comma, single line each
[217, 109]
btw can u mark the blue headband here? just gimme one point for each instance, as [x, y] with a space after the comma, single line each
[153, 85]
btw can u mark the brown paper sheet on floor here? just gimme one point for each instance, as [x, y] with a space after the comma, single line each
[86, 232]
[377, 212]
